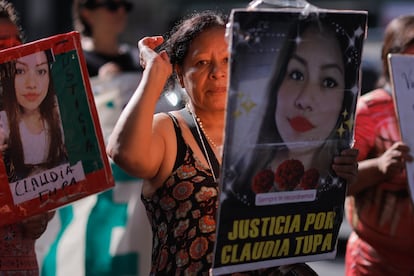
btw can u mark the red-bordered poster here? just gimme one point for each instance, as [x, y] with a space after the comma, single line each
[51, 142]
[294, 83]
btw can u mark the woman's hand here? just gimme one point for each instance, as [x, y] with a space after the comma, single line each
[36, 225]
[392, 161]
[109, 70]
[149, 58]
[346, 165]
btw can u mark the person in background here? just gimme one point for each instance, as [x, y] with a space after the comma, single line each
[17, 241]
[101, 23]
[379, 207]
[180, 190]
[113, 236]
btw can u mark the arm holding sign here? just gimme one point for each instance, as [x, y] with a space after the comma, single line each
[386, 166]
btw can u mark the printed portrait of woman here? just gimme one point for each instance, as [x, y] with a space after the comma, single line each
[308, 115]
[31, 126]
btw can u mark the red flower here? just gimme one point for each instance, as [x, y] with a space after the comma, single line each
[263, 181]
[183, 190]
[310, 179]
[207, 224]
[288, 174]
[198, 248]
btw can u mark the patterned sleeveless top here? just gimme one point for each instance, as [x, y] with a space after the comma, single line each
[182, 216]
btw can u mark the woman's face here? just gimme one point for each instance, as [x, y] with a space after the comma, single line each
[31, 80]
[311, 94]
[204, 72]
[105, 21]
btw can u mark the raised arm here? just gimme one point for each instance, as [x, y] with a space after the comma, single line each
[137, 143]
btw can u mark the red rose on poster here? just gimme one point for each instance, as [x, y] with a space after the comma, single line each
[288, 174]
[310, 179]
[263, 181]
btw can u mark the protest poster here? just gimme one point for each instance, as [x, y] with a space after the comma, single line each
[294, 80]
[402, 81]
[53, 151]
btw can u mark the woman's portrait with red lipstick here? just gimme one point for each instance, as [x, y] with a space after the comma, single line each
[307, 117]
[32, 132]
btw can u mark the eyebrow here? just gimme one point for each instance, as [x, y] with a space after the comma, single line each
[25, 64]
[325, 66]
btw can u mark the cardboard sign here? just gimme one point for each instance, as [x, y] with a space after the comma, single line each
[401, 68]
[294, 83]
[53, 151]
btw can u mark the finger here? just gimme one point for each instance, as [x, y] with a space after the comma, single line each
[345, 160]
[351, 152]
[150, 42]
[165, 56]
[350, 170]
[142, 62]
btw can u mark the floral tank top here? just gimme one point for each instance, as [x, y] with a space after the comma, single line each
[182, 214]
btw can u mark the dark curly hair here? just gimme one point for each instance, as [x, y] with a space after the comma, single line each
[179, 39]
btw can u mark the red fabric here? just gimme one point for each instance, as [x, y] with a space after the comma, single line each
[381, 216]
[365, 260]
[17, 254]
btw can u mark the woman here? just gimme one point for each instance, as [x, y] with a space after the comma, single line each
[31, 118]
[101, 23]
[17, 252]
[149, 147]
[380, 207]
[180, 190]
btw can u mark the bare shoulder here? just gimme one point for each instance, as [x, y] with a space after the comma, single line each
[162, 116]
[163, 128]
[164, 123]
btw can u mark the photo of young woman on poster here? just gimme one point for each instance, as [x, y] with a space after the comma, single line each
[32, 131]
[308, 112]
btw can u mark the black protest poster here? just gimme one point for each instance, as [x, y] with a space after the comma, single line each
[293, 86]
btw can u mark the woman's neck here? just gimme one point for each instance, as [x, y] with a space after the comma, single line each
[33, 121]
[212, 125]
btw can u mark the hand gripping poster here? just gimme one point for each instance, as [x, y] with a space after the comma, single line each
[293, 86]
[51, 142]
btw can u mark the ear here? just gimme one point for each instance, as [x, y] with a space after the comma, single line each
[179, 75]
